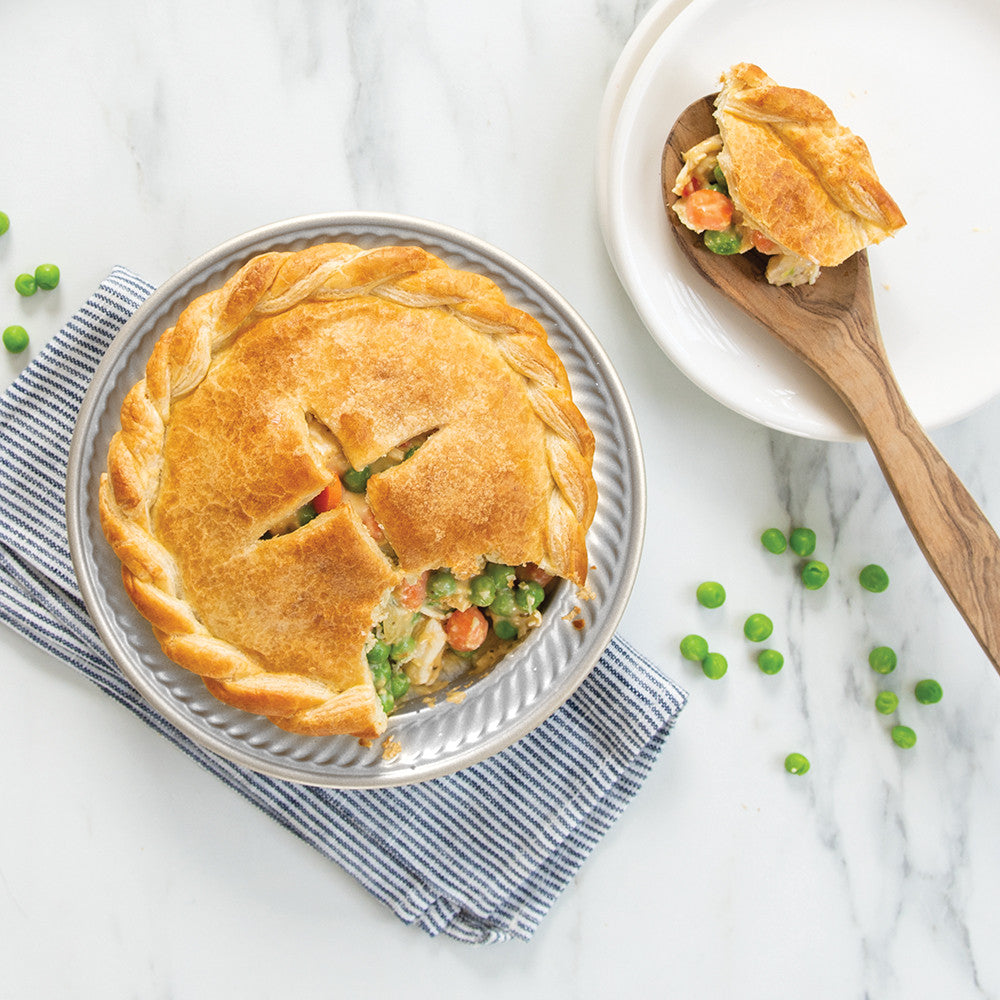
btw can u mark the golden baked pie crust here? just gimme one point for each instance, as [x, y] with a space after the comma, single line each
[231, 430]
[805, 180]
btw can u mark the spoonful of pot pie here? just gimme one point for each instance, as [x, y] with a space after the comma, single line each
[348, 474]
[782, 177]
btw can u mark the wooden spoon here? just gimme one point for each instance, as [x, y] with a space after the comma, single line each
[833, 327]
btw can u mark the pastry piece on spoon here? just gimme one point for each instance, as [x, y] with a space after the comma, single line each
[783, 177]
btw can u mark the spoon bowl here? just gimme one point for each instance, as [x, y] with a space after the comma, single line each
[832, 325]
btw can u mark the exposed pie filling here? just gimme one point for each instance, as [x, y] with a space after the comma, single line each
[704, 205]
[434, 627]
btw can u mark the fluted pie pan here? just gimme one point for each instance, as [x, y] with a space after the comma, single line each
[426, 737]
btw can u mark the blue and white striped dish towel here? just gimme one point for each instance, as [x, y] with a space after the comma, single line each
[480, 855]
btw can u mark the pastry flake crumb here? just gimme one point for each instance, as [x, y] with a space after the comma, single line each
[390, 748]
[455, 697]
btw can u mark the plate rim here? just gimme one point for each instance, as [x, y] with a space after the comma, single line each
[249, 244]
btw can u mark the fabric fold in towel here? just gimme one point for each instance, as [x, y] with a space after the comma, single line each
[480, 855]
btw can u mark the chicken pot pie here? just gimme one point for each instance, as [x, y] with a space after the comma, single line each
[347, 474]
[782, 177]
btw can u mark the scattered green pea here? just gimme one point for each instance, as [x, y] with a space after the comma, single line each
[758, 627]
[388, 702]
[770, 661]
[711, 594]
[505, 629]
[714, 666]
[928, 692]
[882, 659]
[25, 284]
[796, 763]
[725, 241]
[803, 541]
[15, 339]
[694, 647]
[47, 276]
[4, 222]
[720, 178]
[815, 574]
[903, 737]
[774, 540]
[872, 577]
[886, 702]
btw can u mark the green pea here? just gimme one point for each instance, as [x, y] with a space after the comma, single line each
[504, 604]
[388, 702]
[720, 178]
[305, 514]
[4, 222]
[928, 692]
[402, 649]
[725, 242]
[774, 540]
[529, 595]
[501, 575]
[758, 627]
[47, 276]
[770, 661]
[711, 594]
[505, 629]
[356, 480]
[399, 684]
[903, 737]
[379, 653]
[482, 590]
[15, 339]
[886, 702]
[441, 583]
[796, 763]
[714, 666]
[411, 450]
[380, 673]
[815, 574]
[803, 541]
[872, 577]
[882, 659]
[25, 284]
[694, 647]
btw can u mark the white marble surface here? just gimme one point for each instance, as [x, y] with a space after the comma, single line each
[144, 134]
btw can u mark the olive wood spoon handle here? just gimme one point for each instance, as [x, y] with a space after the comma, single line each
[832, 325]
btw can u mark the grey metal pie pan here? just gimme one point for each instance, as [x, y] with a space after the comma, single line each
[429, 739]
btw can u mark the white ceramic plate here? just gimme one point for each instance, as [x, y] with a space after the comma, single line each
[912, 78]
[524, 688]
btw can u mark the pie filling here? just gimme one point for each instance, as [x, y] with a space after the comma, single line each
[434, 627]
[705, 206]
